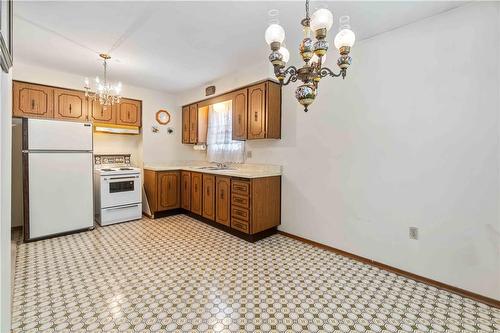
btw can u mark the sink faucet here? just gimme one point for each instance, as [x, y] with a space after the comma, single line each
[221, 165]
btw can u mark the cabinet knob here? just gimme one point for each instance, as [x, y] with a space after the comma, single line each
[208, 190]
[222, 194]
[239, 119]
[255, 116]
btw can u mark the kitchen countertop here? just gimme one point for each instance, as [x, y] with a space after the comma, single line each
[243, 170]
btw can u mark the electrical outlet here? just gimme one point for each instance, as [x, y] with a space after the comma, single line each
[249, 154]
[413, 233]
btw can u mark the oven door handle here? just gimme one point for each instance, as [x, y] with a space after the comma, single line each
[121, 207]
[122, 178]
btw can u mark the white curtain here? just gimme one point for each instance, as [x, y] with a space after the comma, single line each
[220, 146]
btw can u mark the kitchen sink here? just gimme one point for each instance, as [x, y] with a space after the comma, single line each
[215, 168]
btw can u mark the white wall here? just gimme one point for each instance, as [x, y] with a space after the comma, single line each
[5, 188]
[147, 147]
[410, 138]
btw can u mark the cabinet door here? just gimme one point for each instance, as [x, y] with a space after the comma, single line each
[193, 123]
[128, 112]
[185, 124]
[101, 114]
[222, 200]
[168, 190]
[209, 196]
[196, 193]
[240, 115]
[31, 100]
[186, 190]
[256, 111]
[70, 105]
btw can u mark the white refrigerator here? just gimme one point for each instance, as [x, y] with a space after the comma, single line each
[57, 178]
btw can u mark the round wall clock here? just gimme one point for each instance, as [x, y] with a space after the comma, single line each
[163, 117]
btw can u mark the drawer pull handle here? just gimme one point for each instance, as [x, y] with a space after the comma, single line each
[196, 187]
[208, 190]
[70, 108]
[222, 194]
[255, 116]
[32, 104]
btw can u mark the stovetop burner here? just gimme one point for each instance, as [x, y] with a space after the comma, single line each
[106, 169]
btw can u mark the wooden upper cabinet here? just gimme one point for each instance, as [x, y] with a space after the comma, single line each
[38, 101]
[185, 125]
[31, 100]
[256, 114]
[223, 200]
[256, 111]
[128, 112]
[70, 105]
[193, 123]
[196, 192]
[264, 111]
[186, 190]
[101, 114]
[209, 196]
[239, 116]
[168, 190]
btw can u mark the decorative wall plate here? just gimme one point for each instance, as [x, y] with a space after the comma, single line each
[163, 117]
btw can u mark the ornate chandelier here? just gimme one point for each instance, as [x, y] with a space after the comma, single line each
[106, 93]
[313, 53]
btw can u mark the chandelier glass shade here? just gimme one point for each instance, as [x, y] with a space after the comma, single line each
[312, 51]
[106, 93]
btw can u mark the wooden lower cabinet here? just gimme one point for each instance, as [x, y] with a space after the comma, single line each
[209, 196]
[196, 192]
[186, 190]
[255, 204]
[249, 206]
[223, 200]
[168, 190]
[162, 190]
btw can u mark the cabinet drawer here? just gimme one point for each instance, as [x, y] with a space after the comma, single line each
[240, 213]
[240, 187]
[240, 200]
[239, 225]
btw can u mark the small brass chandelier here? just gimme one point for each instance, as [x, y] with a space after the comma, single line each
[313, 53]
[106, 93]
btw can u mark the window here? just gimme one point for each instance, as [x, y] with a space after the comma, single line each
[221, 147]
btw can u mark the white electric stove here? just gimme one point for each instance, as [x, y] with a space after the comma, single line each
[117, 189]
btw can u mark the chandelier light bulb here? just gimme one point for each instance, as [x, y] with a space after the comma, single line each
[285, 53]
[275, 33]
[345, 37]
[321, 19]
[97, 79]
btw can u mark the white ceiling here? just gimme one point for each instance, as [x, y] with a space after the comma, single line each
[173, 46]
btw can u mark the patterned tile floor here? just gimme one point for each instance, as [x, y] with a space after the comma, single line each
[177, 274]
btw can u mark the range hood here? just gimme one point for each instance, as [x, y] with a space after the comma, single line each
[116, 129]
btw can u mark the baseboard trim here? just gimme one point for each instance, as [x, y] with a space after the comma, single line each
[440, 285]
